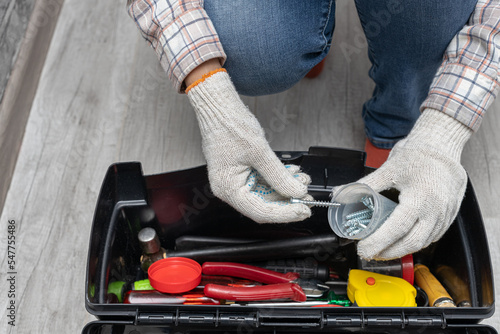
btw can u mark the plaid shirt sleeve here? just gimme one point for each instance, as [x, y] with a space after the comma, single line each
[468, 80]
[180, 32]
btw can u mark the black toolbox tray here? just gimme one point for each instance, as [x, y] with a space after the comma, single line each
[180, 203]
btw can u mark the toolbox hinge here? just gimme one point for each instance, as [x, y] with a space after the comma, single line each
[385, 320]
[425, 321]
[150, 318]
[281, 318]
[343, 320]
[238, 320]
[177, 318]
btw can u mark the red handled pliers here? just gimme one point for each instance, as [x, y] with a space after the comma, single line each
[280, 286]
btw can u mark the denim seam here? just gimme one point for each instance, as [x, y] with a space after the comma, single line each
[326, 25]
[363, 24]
[373, 61]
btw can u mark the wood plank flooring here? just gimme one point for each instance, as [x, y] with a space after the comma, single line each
[103, 98]
[14, 17]
[22, 64]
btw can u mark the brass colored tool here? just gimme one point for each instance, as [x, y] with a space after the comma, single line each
[458, 289]
[438, 296]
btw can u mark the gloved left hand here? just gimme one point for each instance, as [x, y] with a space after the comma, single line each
[425, 168]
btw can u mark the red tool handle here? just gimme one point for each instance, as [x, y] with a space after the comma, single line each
[247, 271]
[266, 292]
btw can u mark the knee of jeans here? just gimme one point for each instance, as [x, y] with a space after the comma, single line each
[271, 45]
[264, 76]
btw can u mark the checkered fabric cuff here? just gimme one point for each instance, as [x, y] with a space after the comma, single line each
[181, 34]
[463, 93]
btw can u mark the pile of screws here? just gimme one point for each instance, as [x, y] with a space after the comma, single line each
[357, 221]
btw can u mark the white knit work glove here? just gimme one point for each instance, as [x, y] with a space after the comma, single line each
[425, 168]
[242, 168]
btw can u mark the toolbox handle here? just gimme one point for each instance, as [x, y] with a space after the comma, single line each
[265, 292]
[246, 271]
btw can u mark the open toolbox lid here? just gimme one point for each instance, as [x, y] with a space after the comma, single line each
[179, 203]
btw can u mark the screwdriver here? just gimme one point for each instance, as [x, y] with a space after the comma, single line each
[438, 296]
[261, 251]
[333, 299]
[457, 288]
[307, 268]
[194, 297]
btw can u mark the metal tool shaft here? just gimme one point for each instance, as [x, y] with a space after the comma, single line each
[313, 203]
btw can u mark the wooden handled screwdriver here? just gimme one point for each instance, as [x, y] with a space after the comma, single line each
[458, 289]
[437, 294]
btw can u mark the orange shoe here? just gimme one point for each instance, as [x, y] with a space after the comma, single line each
[375, 156]
[316, 70]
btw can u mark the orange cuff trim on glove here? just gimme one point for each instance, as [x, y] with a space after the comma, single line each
[204, 77]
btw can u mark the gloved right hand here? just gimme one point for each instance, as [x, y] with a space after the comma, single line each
[425, 167]
[242, 168]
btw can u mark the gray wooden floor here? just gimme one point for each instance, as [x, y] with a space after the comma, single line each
[14, 17]
[103, 98]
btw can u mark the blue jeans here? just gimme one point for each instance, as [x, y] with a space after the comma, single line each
[273, 44]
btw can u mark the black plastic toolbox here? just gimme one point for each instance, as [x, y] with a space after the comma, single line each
[180, 203]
